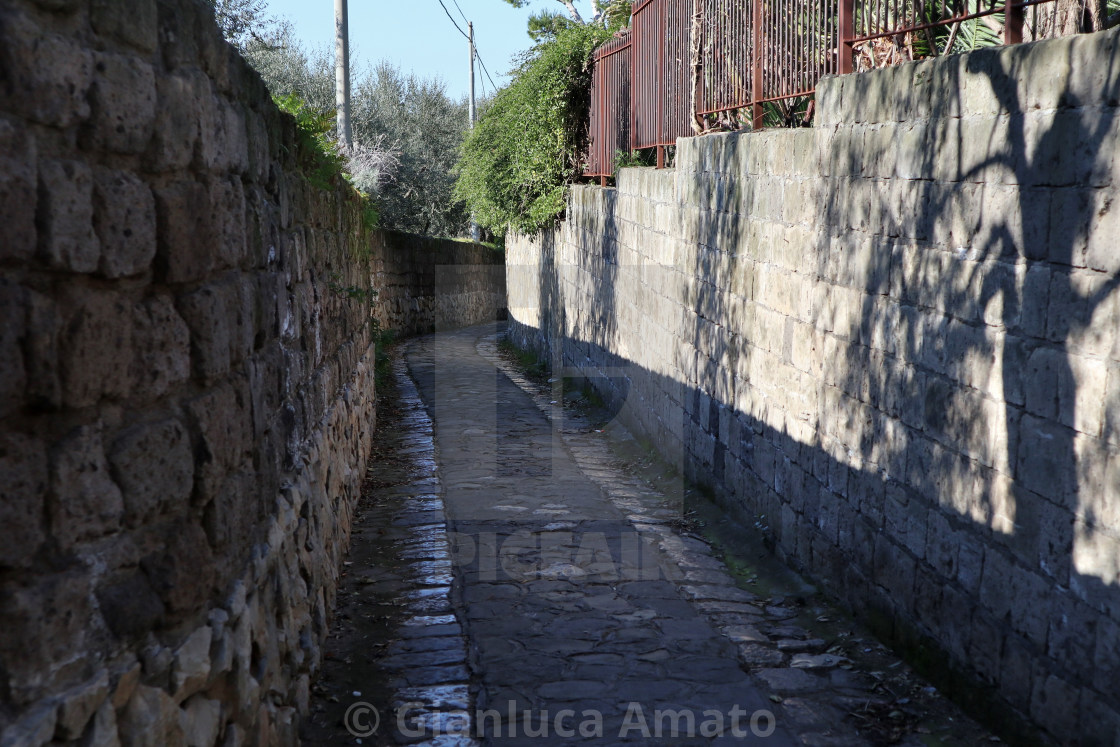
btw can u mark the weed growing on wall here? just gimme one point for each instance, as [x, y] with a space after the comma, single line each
[318, 153]
[528, 145]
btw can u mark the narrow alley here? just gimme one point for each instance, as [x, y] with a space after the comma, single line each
[511, 580]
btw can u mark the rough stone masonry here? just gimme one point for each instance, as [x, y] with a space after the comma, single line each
[892, 341]
[186, 379]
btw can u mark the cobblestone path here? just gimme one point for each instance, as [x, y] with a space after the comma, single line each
[510, 581]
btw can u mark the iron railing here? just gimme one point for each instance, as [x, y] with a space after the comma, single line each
[690, 66]
[660, 103]
[610, 107]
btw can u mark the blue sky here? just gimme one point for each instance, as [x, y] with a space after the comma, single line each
[417, 36]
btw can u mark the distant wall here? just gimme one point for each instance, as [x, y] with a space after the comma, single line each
[425, 284]
[186, 380]
[891, 340]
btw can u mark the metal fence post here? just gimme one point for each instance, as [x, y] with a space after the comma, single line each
[847, 33]
[1013, 16]
[756, 65]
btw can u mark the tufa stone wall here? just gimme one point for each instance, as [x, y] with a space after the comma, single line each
[186, 380]
[425, 284]
[891, 340]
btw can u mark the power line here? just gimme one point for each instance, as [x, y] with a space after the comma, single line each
[464, 15]
[452, 19]
[480, 62]
[468, 38]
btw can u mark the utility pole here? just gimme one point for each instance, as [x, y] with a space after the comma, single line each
[475, 235]
[342, 74]
[470, 38]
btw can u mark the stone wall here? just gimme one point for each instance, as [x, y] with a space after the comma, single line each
[892, 341]
[186, 380]
[426, 284]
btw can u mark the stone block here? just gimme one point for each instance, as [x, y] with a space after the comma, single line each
[124, 218]
[190, 669]
[985, 643]
[223, 141]
[183, 571]
[47, 76]
[894, 570]
[96, 336]
[79, 704]
[1102, 251]
[1047, 375]
[1045, 462]
[85, 503]
[44, 378]
[133, 23]
[176, 123]
[131, 609]
[124, 104]
[22, 496]
[1106, 655]
[1035, 301]
[201, 721]
[161, 349]
[970, 562]
[34, 728]
[65, 213]
[221, 422]
[44, 623]
[209, 313]
[18, 196]
[228, 207]
[1054, 704]
[154, 467]
[1017, 595]
[186, 243]
[13, 330]
[1072, 635]
[102, 732]
[1082, 403]
[151, 719]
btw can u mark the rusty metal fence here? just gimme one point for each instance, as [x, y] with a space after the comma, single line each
[610, 107]
[691, 66]
[660, 104]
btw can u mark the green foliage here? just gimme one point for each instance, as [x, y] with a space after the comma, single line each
[547, 25]
[353, 292]
[641, 157]
[534, 367]
[426, 127]
[413, 120]
[529, 143]
[319, 156]
[793, 112]
[243, 21]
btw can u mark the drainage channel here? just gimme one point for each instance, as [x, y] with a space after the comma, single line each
[395, 666]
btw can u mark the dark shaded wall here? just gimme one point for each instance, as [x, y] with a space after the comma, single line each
[425, 284]
[891, 341]
[186, 380]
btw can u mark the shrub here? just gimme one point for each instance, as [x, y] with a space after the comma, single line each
[529, 144]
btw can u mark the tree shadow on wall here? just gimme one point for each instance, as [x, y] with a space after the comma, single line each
[986, 330]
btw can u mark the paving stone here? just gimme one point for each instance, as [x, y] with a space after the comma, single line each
[510, 553]
[790, 680]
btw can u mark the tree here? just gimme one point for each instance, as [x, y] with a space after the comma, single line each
[422, 123]
[529, 144]
[610, 14]
[243, 21]
[407, 130]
